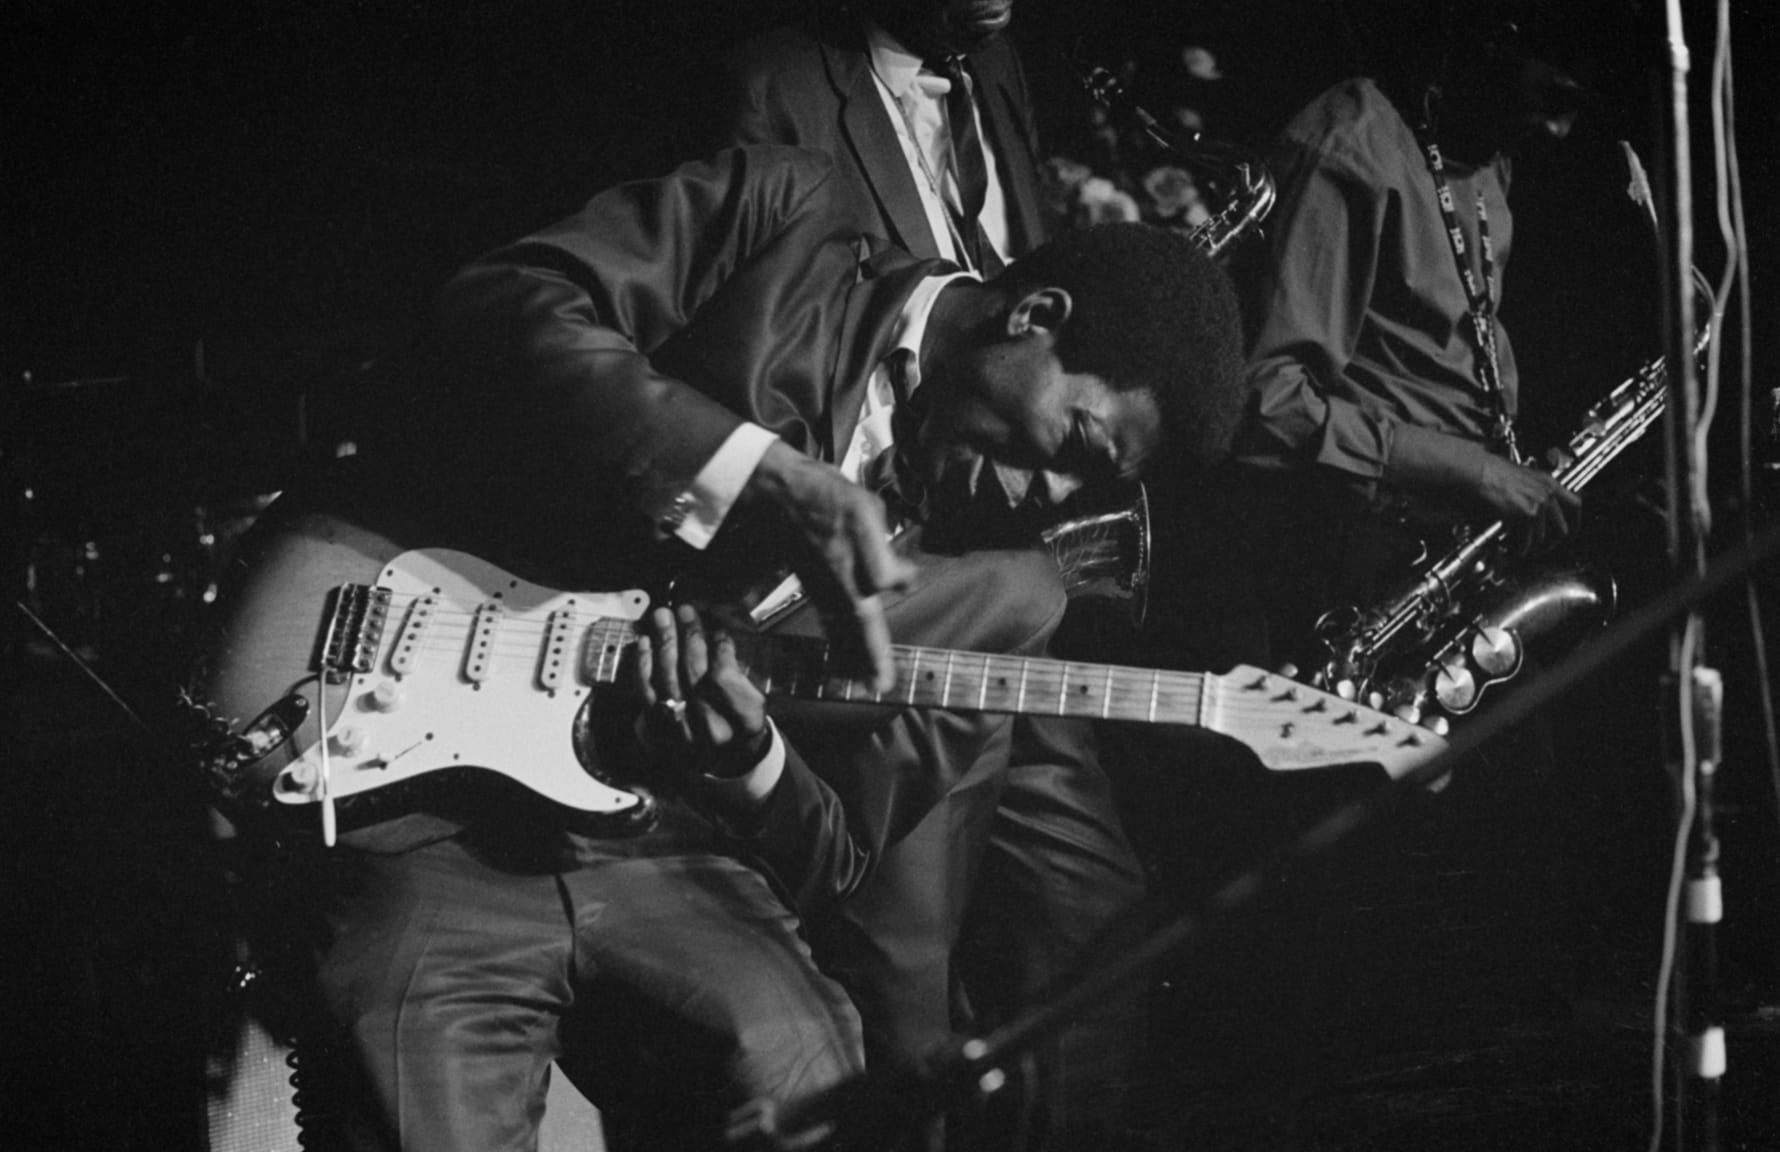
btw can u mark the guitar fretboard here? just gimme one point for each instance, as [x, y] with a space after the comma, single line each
[944, 678]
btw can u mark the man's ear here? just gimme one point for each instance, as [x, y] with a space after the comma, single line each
[1043, 309]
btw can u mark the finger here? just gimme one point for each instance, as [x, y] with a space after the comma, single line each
[708, 724]
[877, 567]
[874, 625]
[740, 702]
[667, 655]
[645, 665]
[694, 659]
[859, 644]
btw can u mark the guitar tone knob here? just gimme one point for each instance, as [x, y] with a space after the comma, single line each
[350, 740]
[301, 777]
[387, 697]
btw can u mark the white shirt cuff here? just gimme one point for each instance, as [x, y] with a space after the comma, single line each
[750, 793]
[702, 508]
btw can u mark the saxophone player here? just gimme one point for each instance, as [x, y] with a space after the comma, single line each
[1383, 387]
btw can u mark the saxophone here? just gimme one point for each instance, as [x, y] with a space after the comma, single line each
[1244, 178]
[1462, 620]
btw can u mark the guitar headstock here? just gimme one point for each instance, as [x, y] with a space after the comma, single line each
[1292, 726]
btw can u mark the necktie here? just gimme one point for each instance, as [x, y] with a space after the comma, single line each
[968, 166]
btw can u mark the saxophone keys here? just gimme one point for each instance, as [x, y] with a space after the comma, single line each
[1455, 687]
[1496, 651]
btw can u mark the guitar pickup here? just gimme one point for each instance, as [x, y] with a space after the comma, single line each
[414, 629]
[482, 633]
[559, 640]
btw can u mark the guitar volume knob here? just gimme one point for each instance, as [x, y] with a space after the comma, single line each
[387, 697]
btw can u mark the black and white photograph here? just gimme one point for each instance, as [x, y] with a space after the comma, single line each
[890, 576]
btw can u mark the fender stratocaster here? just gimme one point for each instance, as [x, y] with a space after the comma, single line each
[366, 673]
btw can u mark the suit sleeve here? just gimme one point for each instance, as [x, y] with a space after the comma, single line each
[556, 330]
[802, 836]
[1325, 237]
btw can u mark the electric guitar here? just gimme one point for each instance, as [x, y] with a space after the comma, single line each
[364, 666]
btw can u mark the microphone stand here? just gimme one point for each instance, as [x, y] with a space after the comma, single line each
[879, 1110]
[1692, 691]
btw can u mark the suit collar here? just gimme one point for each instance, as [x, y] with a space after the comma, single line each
[895, 65]
[871, 136]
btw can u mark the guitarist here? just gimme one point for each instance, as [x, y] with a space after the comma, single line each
[701, 371]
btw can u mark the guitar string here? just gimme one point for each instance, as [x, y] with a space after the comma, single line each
[1177, 703]
[522, 642]
[518, 641]
[1174, 693]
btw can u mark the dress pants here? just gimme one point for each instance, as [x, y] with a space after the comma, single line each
[669, 982]
[1058, 893]
[1003, 823]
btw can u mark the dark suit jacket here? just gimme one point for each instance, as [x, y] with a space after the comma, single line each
[594, 367]
[597, 365]
[813, 87]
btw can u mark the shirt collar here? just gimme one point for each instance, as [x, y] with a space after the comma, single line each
[896, 67]
[911, 327]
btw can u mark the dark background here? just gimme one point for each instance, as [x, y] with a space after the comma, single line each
[220, 219]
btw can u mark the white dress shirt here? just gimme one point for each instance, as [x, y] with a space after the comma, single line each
[914, 100]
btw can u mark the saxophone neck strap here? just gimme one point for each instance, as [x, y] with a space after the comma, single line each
[1480, 291]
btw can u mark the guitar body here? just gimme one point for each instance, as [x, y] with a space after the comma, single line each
[458, 699]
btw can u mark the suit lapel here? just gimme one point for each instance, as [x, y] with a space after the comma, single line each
[1012, 138]
[873, 305]
[873, 139]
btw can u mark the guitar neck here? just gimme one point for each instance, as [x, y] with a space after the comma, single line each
[1287, 725]
[799, 668]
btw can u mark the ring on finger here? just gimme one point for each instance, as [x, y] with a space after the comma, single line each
[673, 711]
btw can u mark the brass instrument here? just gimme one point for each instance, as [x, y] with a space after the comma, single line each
[1246, 181]
[1103, 548]
[1462, 620]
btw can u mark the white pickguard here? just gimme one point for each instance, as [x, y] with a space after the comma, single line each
[385, 727]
